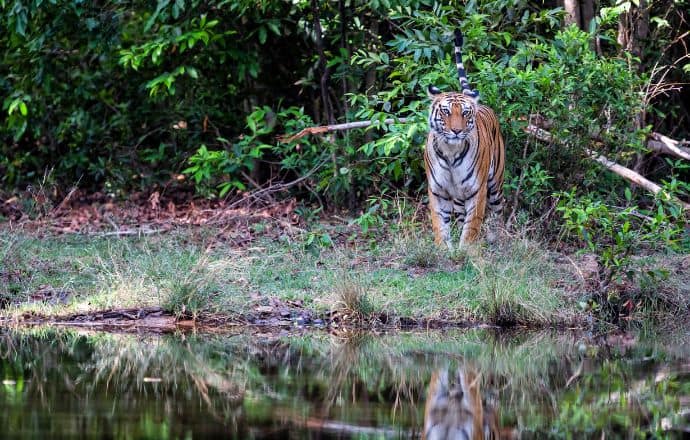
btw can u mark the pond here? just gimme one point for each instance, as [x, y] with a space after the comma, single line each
[62, 383]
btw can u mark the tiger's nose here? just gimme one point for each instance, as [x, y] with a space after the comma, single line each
[456, 130]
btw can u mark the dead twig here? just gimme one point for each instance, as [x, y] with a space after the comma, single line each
[277, 187]
[126, 232]
[65, 200]
[516, 197]
[337, 127]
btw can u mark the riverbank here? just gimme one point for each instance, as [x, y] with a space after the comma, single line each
[330, 275]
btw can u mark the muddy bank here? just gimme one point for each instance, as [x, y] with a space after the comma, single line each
[158, 320]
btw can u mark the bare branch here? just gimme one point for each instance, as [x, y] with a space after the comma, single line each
[656, 142]
[275, 188]
[619, 169]
[336, 127]
[662, 144]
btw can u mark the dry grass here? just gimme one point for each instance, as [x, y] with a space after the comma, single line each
[352, 300]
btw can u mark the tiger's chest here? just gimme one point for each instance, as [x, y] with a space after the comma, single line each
[454, 169]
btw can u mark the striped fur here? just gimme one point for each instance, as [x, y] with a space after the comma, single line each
[455, 409]
[464, 159]
[462, 76]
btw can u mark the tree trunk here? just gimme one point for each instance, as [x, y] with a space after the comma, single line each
[572, 9]
[323, 67]
[633, 28]
[586, 14]
[579, 13]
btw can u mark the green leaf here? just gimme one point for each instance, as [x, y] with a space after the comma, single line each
[660, 22]
[191, 71]
[273, 27]
[251, 124]
[161, 5]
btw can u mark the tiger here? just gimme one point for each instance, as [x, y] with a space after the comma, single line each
[455, 409]
[464, 159]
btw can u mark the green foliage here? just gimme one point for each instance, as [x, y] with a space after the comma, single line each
[230, 163]
[104, 89]
[227, 169]
[126, 96]
[615, 235]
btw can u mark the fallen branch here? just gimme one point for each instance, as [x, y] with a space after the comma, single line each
[336, 127]
[626, 173]
[619, 169]
[656, 142]
[140, 231]
[662, 144]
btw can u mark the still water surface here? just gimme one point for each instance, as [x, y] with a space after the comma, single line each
[71, 384]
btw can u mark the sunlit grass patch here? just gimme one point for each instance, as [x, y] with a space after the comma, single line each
[189, 275]
[106, 273]
[514, 284]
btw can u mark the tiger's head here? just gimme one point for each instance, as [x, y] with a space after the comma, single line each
[453, 115]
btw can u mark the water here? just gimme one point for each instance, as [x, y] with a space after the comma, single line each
[72, 384]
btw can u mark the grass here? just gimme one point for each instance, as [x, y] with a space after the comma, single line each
[516, 281]
[107, 273]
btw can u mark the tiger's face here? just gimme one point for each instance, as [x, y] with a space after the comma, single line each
[452, 115]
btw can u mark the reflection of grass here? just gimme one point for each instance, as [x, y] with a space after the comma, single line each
[543, 382]
[122, 362]
[120, 385]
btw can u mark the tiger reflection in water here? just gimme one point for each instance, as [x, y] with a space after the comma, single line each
[455, 409]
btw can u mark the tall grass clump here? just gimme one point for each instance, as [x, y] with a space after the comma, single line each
[514, 285]
[420, 252]
[154, 272]
[6, 286]
[352, 300]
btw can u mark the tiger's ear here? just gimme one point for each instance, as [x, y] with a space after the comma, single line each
[474, 94]
[432, 90]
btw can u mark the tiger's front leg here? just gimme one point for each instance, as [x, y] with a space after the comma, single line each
[475, 209]
[440, 209]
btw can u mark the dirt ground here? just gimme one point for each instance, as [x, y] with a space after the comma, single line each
[98, 214]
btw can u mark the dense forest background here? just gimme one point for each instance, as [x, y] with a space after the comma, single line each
[120, 97]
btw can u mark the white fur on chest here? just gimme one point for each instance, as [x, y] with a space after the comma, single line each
[453, 168]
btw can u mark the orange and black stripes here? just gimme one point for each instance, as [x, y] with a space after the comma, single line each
[456, 408]
[464, 158]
